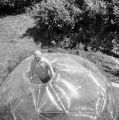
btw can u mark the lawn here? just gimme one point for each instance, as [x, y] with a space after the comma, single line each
[13, 48]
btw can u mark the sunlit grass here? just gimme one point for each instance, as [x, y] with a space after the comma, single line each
[13, 49]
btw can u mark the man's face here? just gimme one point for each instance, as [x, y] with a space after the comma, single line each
[37, 58]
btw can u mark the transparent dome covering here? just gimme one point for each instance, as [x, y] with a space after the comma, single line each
[77, 91]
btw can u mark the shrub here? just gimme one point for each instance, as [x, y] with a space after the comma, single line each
[10, 7]
[93, 23]
[55, 19]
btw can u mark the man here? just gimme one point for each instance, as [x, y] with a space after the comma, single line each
[40, 69]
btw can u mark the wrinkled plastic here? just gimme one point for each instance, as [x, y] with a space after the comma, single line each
[78, 91]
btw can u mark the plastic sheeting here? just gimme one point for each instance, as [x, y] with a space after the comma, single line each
[77, 91]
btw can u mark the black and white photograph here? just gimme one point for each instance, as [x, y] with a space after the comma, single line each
[59, 59]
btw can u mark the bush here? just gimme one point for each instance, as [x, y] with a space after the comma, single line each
[10, 7]
[54, 19]
[92, 23]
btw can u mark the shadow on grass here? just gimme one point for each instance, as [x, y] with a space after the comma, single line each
[38, 36]
[32, 33]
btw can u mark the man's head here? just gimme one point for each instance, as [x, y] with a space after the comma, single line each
[37, 55]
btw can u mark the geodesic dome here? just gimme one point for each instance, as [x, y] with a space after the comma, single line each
[77, 91]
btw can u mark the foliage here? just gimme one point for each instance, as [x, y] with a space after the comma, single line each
[10, 7]
[54, 19]
[91, 22]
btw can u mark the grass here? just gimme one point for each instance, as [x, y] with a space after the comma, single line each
[13, 49]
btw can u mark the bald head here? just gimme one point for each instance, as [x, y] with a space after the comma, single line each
[38, 53]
